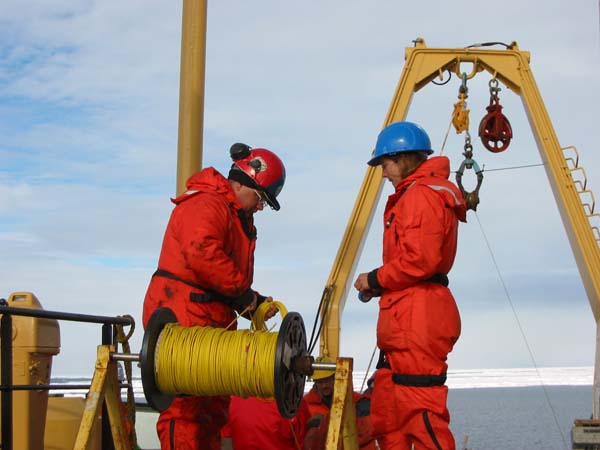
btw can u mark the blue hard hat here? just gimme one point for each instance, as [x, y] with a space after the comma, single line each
[399, 137]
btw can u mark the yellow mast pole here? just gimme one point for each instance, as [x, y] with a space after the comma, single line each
[191, 90]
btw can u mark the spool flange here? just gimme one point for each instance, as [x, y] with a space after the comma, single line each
[289, 384]
[156, 399]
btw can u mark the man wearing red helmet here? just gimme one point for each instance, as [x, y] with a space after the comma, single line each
[205, 272]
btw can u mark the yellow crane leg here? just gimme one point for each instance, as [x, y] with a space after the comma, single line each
[105, 387]
[342, 419]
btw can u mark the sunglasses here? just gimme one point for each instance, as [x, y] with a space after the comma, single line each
[262, 199]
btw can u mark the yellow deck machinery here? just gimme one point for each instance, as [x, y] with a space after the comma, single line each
[29, 339]
[28, 361]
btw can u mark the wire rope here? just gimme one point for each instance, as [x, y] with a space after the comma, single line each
[362, 387]
[446, 138]
[499, 169]
[525, 166]
[521, 330]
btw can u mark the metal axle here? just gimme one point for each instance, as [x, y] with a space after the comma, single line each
[125, 356]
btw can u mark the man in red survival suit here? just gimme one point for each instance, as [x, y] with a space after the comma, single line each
[256, 424]
[205, 272]
[319, 400]
[418, 322]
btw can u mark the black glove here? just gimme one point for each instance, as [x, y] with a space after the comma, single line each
[243, 301]
[314, 421]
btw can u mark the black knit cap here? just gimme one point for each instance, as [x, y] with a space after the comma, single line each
[237, 174]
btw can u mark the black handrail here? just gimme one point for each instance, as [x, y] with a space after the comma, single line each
[6, 377]
[74, 317]
[51, 387]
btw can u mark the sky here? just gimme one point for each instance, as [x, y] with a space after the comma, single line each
[88, 126]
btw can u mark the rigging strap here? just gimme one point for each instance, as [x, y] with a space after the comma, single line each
[199, 297]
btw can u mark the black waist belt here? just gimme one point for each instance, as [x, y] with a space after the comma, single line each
[172, 276]
[200, 297]
[438, 278]
[419, 380]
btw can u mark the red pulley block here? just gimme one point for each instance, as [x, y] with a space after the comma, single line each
[494, 129]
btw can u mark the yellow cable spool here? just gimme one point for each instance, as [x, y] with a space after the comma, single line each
[206, 361]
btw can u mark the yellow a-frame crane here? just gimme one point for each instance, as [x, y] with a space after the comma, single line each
[567, 178]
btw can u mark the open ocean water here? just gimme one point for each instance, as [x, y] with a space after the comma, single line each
[490, 409]
[517, 418]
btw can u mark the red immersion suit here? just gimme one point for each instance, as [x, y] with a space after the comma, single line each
[419, 321]
[205, 271]
[317, 432]
[255, 424]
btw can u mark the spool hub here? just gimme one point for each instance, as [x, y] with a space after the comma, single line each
[289, 384]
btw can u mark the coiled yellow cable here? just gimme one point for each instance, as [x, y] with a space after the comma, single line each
[206, 361]
[258, 319]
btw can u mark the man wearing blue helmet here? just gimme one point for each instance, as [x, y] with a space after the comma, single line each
[418, 322]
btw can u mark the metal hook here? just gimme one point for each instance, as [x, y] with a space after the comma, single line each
[494, 87]
[463, 89]
[471, 198]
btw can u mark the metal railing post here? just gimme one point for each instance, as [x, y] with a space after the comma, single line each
[7, 380]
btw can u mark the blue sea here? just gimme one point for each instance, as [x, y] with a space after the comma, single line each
[490, 409]
[516, 418]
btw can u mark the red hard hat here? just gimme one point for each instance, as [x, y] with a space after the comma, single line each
[264, 169]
